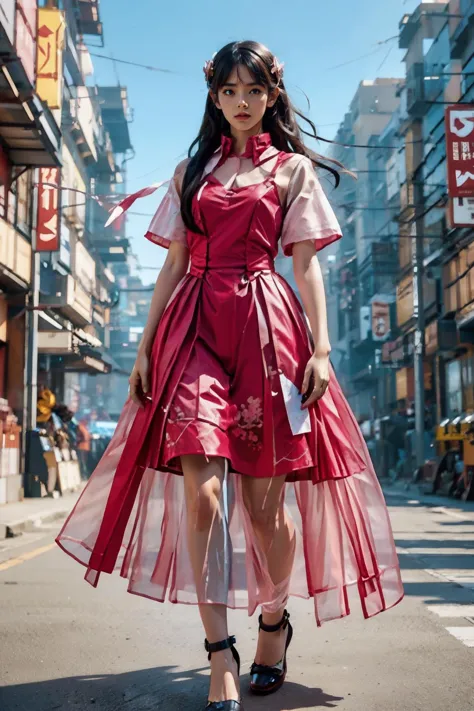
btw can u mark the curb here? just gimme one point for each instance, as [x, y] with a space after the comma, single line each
[27, 525]
[413, 490]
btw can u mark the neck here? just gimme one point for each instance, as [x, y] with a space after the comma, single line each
[241, 137]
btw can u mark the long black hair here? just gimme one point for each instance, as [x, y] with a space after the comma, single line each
[279, 120]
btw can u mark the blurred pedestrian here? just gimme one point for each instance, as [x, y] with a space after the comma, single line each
[83, 447]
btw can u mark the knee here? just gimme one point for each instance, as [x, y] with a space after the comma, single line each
[203, 508]
[264, 518]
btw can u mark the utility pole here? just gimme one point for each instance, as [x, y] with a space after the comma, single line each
[31, 360]
[418, 300]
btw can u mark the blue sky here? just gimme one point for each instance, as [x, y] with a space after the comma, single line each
[310, 36]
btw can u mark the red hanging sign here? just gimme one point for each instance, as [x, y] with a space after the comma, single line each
[460, 150]
[48, 225]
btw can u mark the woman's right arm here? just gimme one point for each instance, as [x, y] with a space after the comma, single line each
[173, 270]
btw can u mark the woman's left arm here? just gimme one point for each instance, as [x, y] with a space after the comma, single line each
[309, 281]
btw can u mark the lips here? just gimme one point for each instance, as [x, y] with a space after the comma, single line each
[242, 115]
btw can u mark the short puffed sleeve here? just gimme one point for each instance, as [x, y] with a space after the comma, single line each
[308, 215]
[167, 224]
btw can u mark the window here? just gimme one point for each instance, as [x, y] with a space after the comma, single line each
[453, 389]
[467, 367]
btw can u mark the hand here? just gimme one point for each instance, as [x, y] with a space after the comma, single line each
[316, 372]
[139, 379]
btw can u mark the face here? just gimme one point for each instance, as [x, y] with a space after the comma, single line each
[242, 101]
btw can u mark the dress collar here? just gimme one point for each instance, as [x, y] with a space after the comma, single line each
[255, 147]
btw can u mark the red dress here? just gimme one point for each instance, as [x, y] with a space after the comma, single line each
[227, 361]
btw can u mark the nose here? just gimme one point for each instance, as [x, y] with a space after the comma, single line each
[242, 103]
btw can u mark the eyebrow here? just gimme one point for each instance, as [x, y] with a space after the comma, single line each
[252, 83]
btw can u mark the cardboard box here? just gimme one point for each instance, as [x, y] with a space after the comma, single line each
[11, 489]
[9, 462]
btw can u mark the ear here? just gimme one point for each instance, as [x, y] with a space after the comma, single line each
[272, 97]
[214, 99]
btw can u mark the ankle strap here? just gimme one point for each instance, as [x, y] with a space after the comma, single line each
[283, 624]
[219, 646]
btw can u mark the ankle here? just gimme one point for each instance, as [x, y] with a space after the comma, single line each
[272, 618]
[223, 659]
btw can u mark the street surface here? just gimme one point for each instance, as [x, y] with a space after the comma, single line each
[65, 646]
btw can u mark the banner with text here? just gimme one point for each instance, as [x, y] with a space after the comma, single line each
[48, 225]
[49, 77]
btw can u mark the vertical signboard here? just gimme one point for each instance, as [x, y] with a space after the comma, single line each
[380, 320]
[460, 162]
[48, 224]
[49, 70]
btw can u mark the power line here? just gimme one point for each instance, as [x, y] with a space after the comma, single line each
[379, 45]
[149, 67]
[384, 59]
[352, 61]
[374, 147]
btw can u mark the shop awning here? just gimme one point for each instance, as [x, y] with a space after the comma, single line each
[68, 351]
[91, 364]
[27, 127]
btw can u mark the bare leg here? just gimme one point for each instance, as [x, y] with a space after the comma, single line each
[274, 530]
[203, 483]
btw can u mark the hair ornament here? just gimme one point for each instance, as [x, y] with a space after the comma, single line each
[277, 69]
[208, 69]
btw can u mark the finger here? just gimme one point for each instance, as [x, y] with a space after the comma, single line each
[311, 400]
[144, 379]
[323, 387]
[317, 393]
[307, 376]
[134, 392]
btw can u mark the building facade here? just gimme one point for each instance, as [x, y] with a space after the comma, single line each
[397, 224]
[63, 154]
[361, 272]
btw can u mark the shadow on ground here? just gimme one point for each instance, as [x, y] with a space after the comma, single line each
[158, 689]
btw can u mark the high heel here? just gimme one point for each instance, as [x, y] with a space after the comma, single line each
[264, 679]
[219, 647]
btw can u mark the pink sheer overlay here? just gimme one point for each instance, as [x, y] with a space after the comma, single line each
[309, 216]
[167, 224]
[343, 539]
[231, 336]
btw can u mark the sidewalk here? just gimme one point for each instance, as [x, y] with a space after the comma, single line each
[408, 490]
[27, 514]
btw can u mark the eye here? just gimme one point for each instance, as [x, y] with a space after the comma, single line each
[256, 91]
[228, 92]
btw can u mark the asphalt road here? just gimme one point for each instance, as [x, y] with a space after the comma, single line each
[65, 646]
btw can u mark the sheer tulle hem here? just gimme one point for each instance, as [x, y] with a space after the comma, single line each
[319, 596]
[342, 541]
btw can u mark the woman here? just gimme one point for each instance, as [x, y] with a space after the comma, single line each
[189, 499]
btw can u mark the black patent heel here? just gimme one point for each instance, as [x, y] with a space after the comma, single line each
[219, 647]
[266, 680]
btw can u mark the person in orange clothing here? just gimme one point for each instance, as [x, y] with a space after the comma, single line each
[83, 447]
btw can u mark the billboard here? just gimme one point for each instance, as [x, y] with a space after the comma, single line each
[460, 150]
[459, 120]
[49, 67]
[48, 223]
[380, 320]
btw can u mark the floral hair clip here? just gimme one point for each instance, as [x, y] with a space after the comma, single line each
[208, 69]
[277, 69]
